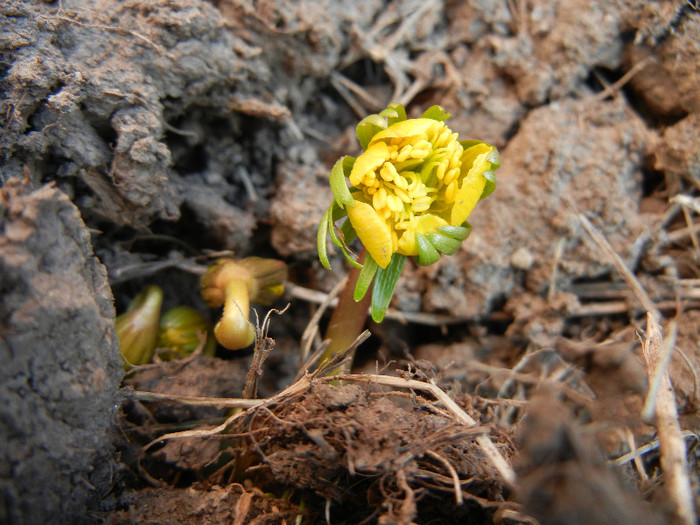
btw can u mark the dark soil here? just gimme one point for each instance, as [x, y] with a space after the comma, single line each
[142, 139]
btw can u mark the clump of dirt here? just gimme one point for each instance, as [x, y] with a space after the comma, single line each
[370, 454]
[564, 479]
[232, 504]
[61, 369]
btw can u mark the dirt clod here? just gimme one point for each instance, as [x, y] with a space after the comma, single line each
[61, 366]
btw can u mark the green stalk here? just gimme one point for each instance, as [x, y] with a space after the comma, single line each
[348, 318]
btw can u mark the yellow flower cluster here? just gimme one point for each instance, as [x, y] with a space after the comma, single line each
[414, 177]
[410, 194]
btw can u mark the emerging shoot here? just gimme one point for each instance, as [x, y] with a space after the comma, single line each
[235, 284]
[137, 328]
[407, 195]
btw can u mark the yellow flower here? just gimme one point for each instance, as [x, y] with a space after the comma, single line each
[413, 178]
[411, 193]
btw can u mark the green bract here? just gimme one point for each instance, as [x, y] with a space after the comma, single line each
[409, 194]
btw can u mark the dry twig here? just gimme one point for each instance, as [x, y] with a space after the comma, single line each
[618, 84]
[453, 473]
[673, 453]
[612, 256]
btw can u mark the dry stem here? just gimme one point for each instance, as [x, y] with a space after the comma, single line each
[612, 256]
[673, 453]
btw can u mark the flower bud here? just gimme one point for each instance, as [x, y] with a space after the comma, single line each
[235, 284]
[137, 328]
[180, 330]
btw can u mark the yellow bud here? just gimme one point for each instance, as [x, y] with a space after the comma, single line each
[180, 330]
[235, 283]
[137, 328]
[234, 331]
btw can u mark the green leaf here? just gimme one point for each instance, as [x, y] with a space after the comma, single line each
[321, 238]
[339, 187]
[369, 127]
[338, 212]
[384, 285]
[331, 224]
[327, 226]
[444, 244]
[369, 270]
[436, 113]
[456, 232]
[427, 254]
[490, 177]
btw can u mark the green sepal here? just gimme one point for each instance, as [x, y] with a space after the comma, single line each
[369, 270]
[339, 187]
[369, 127]
[348, 163]
[436, 113]
[444, 244]
[494, 158]
[456, 232]
[466, 144]
[490, 186]
[179, 331]
[384, 285]
[400, 113]
[348, 231]
[427, 254]
[340, 243]
[137, 328]
[390, 114]
[321, 236]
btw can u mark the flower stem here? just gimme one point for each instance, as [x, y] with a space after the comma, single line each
[347, 319]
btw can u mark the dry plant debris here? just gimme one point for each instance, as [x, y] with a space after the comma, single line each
[356, 442]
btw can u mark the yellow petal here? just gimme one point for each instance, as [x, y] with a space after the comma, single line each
[369, 161]
[415, 127]
[373, 231]
[473, 183]
[429, 223]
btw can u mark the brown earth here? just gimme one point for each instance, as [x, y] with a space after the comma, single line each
[141, 138]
